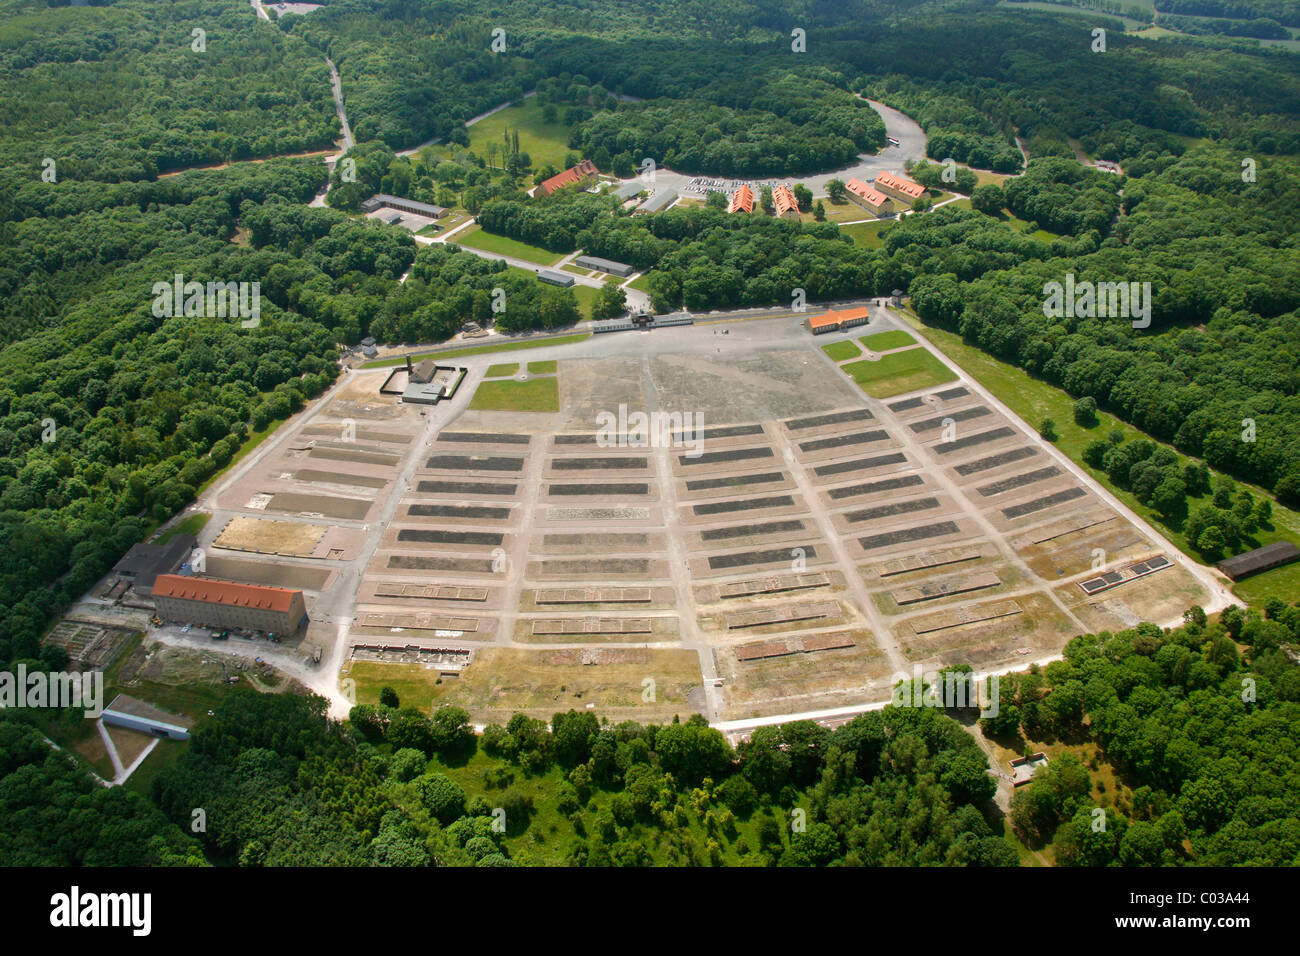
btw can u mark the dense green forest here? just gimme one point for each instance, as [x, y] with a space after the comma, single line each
[118, 92]
[789, 124]
[1200, 735]
[1283, 11]
[1203, 736]
[52, 813]
[397, 787]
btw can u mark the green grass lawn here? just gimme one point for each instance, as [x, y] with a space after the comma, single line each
[503, 370]
[191, 525]
[842, 351]
[586, 296]
[507, 395]
[1034, 400]
[476, 238]
[543, 142]
[483, 349]
[868, 233]
[884, 341]
[899, 372]
[549, 367]
[641, 283]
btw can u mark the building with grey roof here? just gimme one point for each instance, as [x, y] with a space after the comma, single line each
[662, 199]
[144, 562]
[621, 269]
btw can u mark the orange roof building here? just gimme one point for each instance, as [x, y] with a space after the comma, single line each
[573, 176]
[872, 200]
[742, 200]
[899, 188]
[837, 320]
[228, 604]
[787, 207]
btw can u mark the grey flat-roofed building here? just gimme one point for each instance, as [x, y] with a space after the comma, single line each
[621, 269]
[136, 715]
[380, 200]
[662, 199]
[1261, 559]
[551, 277]
[628, 190]
[144, 562]
[612, 325]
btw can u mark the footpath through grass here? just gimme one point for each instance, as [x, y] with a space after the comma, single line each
[898, 372]
[884, 341]
[476, 238]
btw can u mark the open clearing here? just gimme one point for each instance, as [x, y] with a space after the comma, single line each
[490, 242]
[899, 372]
[842, 351]
[270, 537]
[796, 543]
[508, 395]
[884, 341]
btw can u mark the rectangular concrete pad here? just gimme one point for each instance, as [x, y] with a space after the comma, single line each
[596, 566]
[596, 540]
[1047, 501]
[599, 464]
[744, 504]
[744, 558]
[487, 438]
[734, 481]
[413, 562]
[834, 418]
[889, 510]
[360, 457]
[597, 514]
[746, 530]
[465, 488]
[339, 478]
[439, 536]
[572, 490]
[860, 464]
[948, 447]
[459, 511]
[735, 454]
[351, 508]
[904, 535]
[966, 414]
[474, 463]
[843, 441]
[873, 487]
[995, 461]
[725, 431]
[1018, 481]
